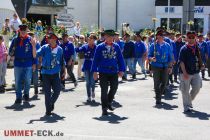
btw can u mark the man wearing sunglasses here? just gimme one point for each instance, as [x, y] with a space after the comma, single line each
[190, 65]
[23, 49]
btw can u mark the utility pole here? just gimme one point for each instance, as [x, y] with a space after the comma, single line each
[188, 15]
[99, 14]
[168, 19]
[25, 8]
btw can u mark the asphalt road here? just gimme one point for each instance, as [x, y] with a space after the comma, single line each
[135, 117]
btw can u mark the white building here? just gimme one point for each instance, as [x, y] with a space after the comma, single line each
[112, 13]
[201, 15]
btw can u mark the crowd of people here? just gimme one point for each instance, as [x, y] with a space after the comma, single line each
[103, 56]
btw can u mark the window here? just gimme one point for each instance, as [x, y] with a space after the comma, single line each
[199, 25]
[163, 22]
[171, 9]
[175, 23]
[49, 2]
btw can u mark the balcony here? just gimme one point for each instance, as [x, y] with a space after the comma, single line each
[54, 3]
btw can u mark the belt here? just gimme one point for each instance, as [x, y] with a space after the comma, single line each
[23, 59]
[109, 67]
[47, 67]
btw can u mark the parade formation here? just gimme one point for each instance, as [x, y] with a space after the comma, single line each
[102, 57]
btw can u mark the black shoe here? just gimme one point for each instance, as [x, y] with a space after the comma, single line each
[93, 101]
[188, 111]
[111, 108]
[48, 113]
[36, 92]
[26, 97]
[124, 78]
[18, 101]
[104, 112]
[2, 89]
[134, 76]
[158, 102]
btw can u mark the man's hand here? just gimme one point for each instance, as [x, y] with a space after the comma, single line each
[70, 62]
[33, 42]
[120, 74]
[34, 67]
[169, 70]
[95, 76]
[153, 59]
[64, 74]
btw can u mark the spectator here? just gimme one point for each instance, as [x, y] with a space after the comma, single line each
[6, 32]
[77, 30]
[3, 64]
[14, 24]
[38, 30]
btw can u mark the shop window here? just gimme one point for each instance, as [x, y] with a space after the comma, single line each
[199, 25]
[175, 23]
[49, 2]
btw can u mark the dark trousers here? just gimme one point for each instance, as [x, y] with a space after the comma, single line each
[160, 77]
[51, 81]
[170, 78]
[35, 79]
[176, 71]
[108, 96]
[208, 66]
[70, 73]
[203, 73]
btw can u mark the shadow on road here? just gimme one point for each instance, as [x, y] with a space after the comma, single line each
[170, 96]
[132, 80]
[92, 104]
[116, 104]
[48, 119]
[198, 114]
[20, 107]
[34, 98]
[141, 79]
[111, 118]
[166, 106]
[68, 90]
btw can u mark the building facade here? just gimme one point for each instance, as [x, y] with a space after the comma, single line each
[97, 13]
[112, 13]
[175, 12]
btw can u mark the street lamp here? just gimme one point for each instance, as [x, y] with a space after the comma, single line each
[154, 26]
